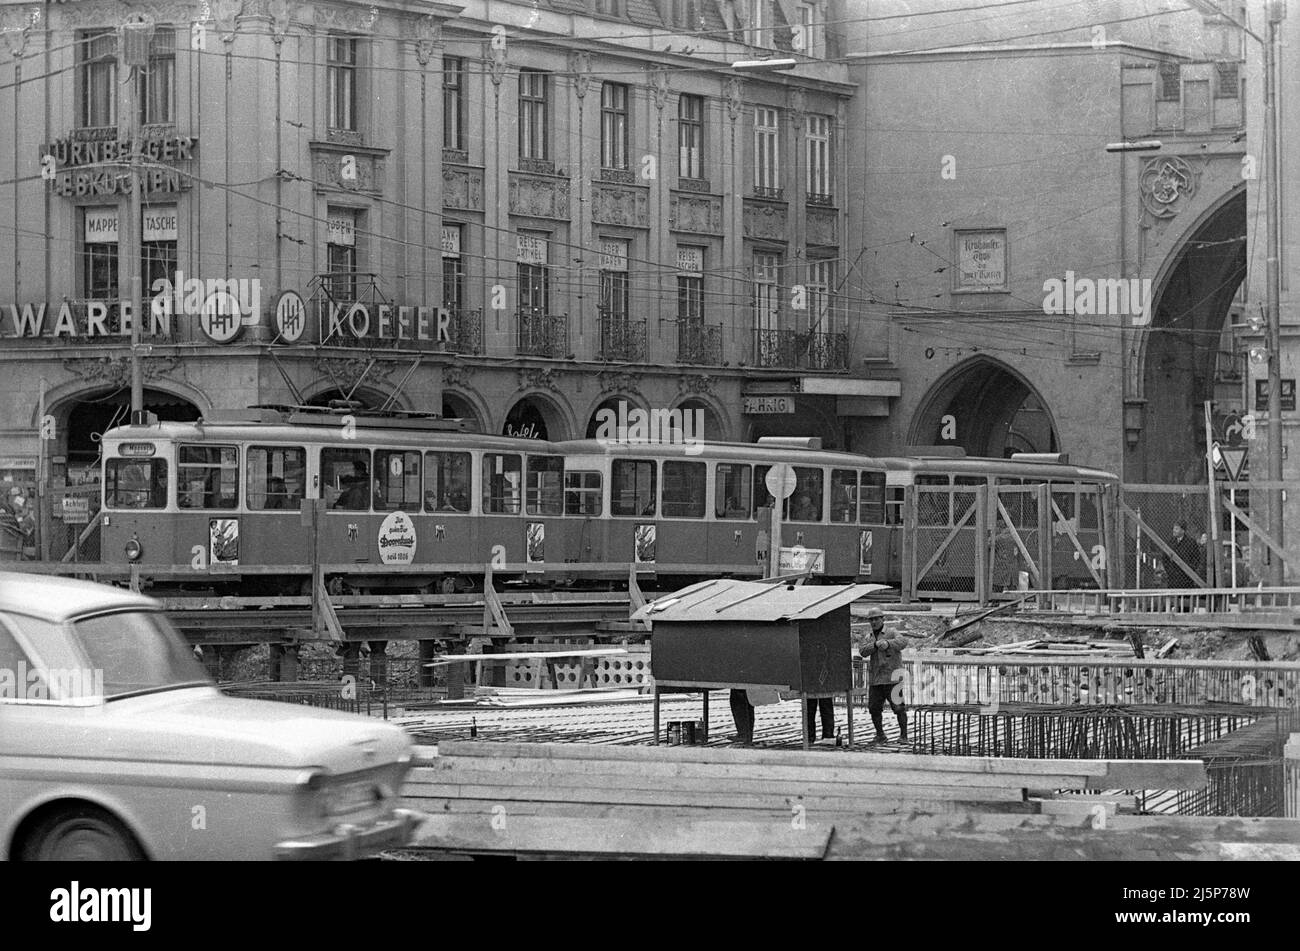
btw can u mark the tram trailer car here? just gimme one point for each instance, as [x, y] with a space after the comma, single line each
[401, 490]
[694, 510]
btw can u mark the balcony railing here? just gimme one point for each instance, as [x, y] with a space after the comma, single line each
[693, 184]
[618, 176]
[820, 198]
[791, 350]
[465, 332]
[542, 335]
[622, 339]
[537, 166]
[823, 351]
[698, 343]
[770, 192]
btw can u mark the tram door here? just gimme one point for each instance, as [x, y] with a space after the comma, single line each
[633, 524]
[733, 530]
[544, 527]
[682, 537]
[585, 532]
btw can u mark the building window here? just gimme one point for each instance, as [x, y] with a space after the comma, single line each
[157, 245]
[534, 134]
[1227, 81]
[342, 72]
[821, 289]
[97, 55]
[690, 136]
[810, 38]
[341, 254]
[99, 254]
[613, 280]
[767, 153]
[690, 284]
[762, 23]
[534, 274]
[613, 125]
[767, 291]
[158, 80]
[453, 103]
[819, 159]
[1169, 87]
[453, 268]
[686, 14]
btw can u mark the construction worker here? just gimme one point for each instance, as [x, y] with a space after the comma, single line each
[886, 658]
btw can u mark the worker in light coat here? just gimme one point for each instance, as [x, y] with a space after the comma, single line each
[885, 655]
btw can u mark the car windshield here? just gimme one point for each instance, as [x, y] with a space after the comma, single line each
[138, 652]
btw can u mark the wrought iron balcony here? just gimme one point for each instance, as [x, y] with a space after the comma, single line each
[465, 332]
[791, 350]
[693, 184]
[819, 198]
[537, 166]
[542, 335]
[775, 348]
[769, 192]
[622, 338]
[823, 351]
[698, 343]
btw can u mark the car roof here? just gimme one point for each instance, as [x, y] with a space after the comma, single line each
[58, 599]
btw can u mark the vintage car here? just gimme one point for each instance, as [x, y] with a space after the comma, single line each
[116, 744]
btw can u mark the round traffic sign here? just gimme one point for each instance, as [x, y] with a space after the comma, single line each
[780, 481]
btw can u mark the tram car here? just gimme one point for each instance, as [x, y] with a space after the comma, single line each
[412, 491]
[693, 510]
[432, 503]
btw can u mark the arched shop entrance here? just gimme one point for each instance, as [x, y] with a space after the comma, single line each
[793, 415]
[89, 415]
[534, 417]
[987, 409]
[621, 408]
[455, 406]
[368, 398]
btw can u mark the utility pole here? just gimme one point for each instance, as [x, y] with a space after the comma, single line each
[133, 55]
[1276, 12]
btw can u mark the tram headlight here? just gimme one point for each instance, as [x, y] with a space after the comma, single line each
[134, 550]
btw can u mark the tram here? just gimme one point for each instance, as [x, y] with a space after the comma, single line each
[433, 503]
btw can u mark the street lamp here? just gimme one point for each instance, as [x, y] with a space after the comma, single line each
[1141, 145]
[763, 65]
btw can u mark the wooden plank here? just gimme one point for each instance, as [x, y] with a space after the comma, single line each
[840, 759]
[1156, 774]
[630, 789]
[524, 770]
[646, 837]
[782, 811]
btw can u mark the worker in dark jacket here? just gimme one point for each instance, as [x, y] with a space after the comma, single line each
[1190, 551]
[885, 655]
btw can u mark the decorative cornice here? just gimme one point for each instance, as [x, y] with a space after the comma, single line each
[458, 376]
[701, 383]
[541, 379]
[115, 370]
[619, 381]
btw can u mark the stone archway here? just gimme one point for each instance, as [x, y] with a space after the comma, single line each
[82, 419]
[535, 417]
[986, 408]
[1178, 361]
[460, 406]
[368, 397]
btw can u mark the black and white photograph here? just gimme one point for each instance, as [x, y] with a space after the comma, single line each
[779, 431]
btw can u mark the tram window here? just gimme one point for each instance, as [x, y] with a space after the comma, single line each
[207, 477]
[446, 481]
[582, 493]
[684, 489]
[933, 508]
[805, 505]
[1063, 496]
[502, 483]
[871, 498]
[632, 488]
[135, 483]
[345, 479]
[276, 476]
[733, 490]
[397, 480]
[545, 485]
[844, 495]
[762, 498]
[894, 496]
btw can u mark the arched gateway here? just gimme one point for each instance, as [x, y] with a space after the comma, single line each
[986, 408]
